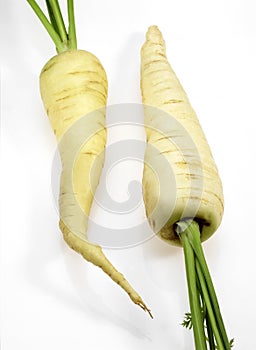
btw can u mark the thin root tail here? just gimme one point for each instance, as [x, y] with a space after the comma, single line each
[145, 308]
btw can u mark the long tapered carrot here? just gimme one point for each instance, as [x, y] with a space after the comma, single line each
[182, 189]
[74, 88]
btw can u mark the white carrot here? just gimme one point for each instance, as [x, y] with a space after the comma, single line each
[181, 187]
[161, 89]
[74, 88]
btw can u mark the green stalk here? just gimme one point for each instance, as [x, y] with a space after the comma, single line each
[197, 320]
[208, 327]
[189, 233]
[56, 26]
[209, 332]
[55, 8]
[209, 307]
[72, 27]
[194, 238]
[51, 16]
[48, 26]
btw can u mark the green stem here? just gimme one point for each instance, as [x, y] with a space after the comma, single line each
[208, 327]
[194, 238]
[72, 27]
[50, 29]
[55, 8]
[56, 26]
[52, 18]
[189, 233]
[197, 320]
[209, 332]
[209, 307]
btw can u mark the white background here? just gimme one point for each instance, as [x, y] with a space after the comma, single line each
[50, 297]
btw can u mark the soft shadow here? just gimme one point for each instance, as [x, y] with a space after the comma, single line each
[125, 84]
[41, 256]
[92, 301]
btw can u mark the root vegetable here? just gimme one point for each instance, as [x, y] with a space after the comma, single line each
[74, 88]
[161, 89]
[182, 190]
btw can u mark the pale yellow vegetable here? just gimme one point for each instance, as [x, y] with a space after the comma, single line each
[192, 188]
[73, 87]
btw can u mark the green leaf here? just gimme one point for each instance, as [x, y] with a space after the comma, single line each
[187, 322]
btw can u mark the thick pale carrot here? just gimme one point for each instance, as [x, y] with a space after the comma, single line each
[198, 185]
[74, 88]
[181, 187]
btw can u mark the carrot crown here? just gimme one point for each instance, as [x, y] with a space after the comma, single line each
[64, 40]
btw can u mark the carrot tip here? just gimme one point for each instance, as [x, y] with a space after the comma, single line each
[144, 307]
[154, 35]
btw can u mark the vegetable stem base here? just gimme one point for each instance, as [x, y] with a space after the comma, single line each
[205, 317]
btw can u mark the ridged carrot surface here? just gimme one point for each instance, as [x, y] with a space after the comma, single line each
[174, 132]
[74, 88]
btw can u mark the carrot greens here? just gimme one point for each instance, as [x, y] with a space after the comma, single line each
[205, 317]
[55, 25]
